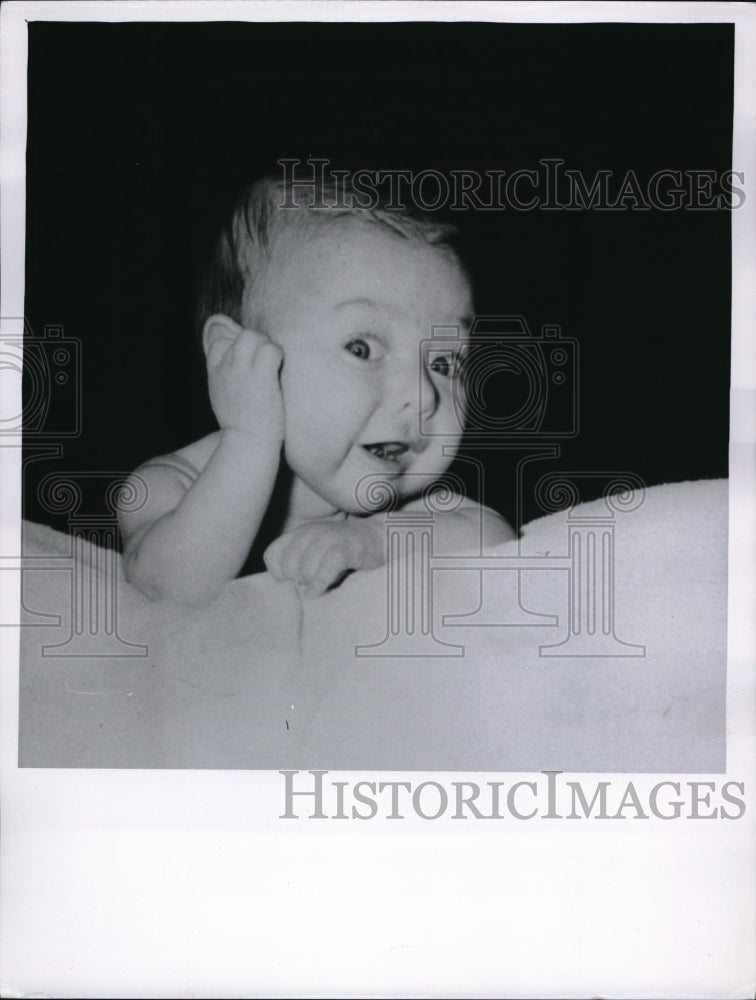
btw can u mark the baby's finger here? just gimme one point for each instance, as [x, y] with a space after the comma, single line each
[245, 348]
[216, 352]
[281, 557]
[326, 547]
[248, 341]
[272, 558]
[310, 554]
[332, 567]
[293, 548]
[269, 356]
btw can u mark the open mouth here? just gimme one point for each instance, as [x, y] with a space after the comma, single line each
[387, 451]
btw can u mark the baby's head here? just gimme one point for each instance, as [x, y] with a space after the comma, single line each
[350, 294]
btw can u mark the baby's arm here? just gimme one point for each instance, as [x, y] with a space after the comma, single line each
[318, 554]
[194, 532]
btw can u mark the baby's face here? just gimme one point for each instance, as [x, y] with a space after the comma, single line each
[350, 307]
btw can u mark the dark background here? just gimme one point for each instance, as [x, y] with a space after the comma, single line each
[139, 133]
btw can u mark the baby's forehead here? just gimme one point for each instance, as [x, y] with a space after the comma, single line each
[347, 254]
[308, 232]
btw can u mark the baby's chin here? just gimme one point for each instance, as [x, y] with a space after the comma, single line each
[372, 497]
[376, 493]
[367, 492]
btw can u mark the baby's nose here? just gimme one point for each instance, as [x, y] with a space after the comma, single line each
[415, 393]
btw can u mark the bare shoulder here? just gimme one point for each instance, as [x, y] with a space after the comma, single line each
[494, 528]
[497, 529]
[162, 482]
[463, 521]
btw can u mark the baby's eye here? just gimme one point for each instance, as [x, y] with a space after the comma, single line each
[364, 348]
[447, 365]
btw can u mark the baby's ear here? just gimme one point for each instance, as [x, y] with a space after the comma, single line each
[218, 334]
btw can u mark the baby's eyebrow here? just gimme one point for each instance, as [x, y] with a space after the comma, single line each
[464, 322]
[371, 303]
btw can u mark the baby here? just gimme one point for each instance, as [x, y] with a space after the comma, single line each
[313, 320]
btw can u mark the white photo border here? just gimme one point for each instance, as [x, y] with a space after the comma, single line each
[167, 883]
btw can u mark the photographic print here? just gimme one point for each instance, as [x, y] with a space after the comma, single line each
[583, 358]
[370, 448]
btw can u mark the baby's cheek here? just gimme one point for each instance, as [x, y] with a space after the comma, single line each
[438, 456]
[296, 444]
[456, 409]
[449, 422]
[294, 398]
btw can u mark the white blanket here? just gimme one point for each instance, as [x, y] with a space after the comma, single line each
[264, 679]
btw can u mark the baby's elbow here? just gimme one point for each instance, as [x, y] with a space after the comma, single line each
[134, 571]
[157, 584]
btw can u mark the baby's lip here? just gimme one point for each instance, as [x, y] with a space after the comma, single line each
[387, 451]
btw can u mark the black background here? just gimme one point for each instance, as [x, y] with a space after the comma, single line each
[139, 133]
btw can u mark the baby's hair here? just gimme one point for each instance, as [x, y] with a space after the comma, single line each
[264, 212]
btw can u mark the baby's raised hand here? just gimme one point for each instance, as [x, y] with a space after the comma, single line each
[245, 392]
[317, 555]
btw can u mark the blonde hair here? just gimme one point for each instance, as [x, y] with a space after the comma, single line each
[264, 212]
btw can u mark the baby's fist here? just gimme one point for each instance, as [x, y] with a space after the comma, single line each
[242, 374]
[319, 554]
